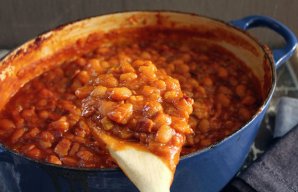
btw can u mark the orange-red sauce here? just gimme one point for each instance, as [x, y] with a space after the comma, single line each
[45, 120]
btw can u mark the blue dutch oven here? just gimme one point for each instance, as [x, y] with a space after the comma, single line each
[207, 170]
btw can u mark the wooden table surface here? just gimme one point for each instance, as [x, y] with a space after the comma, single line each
[21, 20]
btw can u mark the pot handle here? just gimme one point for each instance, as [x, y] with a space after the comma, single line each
[280, 55]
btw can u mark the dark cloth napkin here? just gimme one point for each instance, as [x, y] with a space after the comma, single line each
[277, 169]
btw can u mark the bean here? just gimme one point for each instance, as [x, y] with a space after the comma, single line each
[46, 93]
[148, 72]
[69, 136]
[43, 114]
[136, 98]
[19, 122]
[171, 111]
[42, 103]
[6, 124]
[178, 139]
[76, 84]
[241, 90]
[137, 102]
[144, 125]
[84, 77]
[186, 57]
[193, 122]
[68, 103]
[164, 134]
[106, 107]
[61, 124]
[172, 84]
[248, 100]
[126, 68]
[37, 85]
[201, 91]
[17, 135]
[83, 125]
[79, 139]
[178, 62]
[160, 84]
[34, 153]
[85, 155]
[208, 81]
[184, 105]
[183, 68]
[170, 68]
[145, 55]
[107, 124]
[151, 108]
[204, 125]
[162, 119]
[70, 161]
[223, 99]
[28, 113]
[171, 95]
[27, 147]
[233, 81]
[121, 114]
[119, 94]
[124, 58]
[225, 90]
[47, 136]
[148, 90]
[62, 147]
[127, 77]
[108, 80]
[155, 97]
[104, 64]
[81, 61]
[159, 148]
[83, 92]
[180, 125]
[74, 117]
[99, 91]
[33, 132]
[96, 66]
[103, 50]
[54, 159]
[191, 84]
[139, 63]
[126, 134]
[222, 72]
[200, 110]
[205, 142]
[45, 144]
[189, 140]
[74, 149]
[244, 114]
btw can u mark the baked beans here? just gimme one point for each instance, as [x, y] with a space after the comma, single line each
[140, 86]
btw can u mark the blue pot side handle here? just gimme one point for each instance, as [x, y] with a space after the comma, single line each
[280, 55]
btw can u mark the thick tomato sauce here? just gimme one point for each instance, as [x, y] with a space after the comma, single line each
[142, 83]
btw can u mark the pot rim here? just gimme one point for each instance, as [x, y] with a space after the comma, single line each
[267, 56]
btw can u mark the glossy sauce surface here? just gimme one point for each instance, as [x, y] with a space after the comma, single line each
[46, 119]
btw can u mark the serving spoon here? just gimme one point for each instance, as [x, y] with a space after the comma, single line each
[146, 170]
